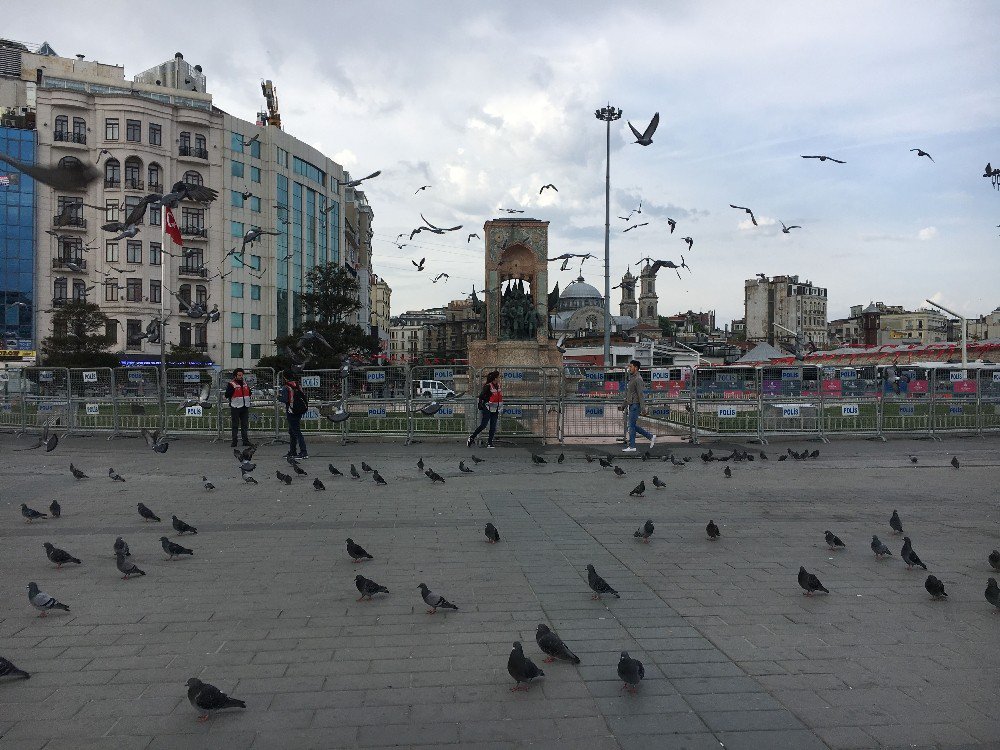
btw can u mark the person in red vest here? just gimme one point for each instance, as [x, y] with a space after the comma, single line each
[490, 406]
[238, 395]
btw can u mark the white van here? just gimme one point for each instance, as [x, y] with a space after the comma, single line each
[431, 389]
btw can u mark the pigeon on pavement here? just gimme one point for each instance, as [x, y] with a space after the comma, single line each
[55, 509]
[631, 672]
[553, 645]
[121, 546]
[491, 533]
[30, 514]
[42, 601]
[619, 471]
[434, 601]
[318, 485]
[249, 479]
[463, 468]
[146, 513]
[477, 460]
[909, 556]
[180, 527]
[207, 698]
[895, 524]
[368, 588]
[712, 530]
[728, 472]
[354, 472]
[286, 478]
[335, 471]
[379, 479]
[420, 464]
[296, 468]
[114, 476]
[994, 559]
[59, 556]
[810, 583]
[77, 474]
[357, 552]
[644, 532]
[832, 540]
[206, 484]
[598, 584]
[365, 467]
[521, 668]
[935, 587]
[954, 462]
[639, 491]
[127, 567]
[562, 457]
[657, 483]
[434, 476]
[7, 669]
[173, 549]
[993, 593]
[535, 458]
[879, 548]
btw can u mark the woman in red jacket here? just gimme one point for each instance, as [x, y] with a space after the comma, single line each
[490, 406]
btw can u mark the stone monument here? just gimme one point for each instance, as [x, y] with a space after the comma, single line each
[516, 297]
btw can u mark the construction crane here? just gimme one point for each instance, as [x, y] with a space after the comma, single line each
[272, 116]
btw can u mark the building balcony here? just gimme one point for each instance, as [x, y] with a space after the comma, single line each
[59, 301]
[199, 271]
[155, 187]
[134, 184]
[192, 152]
[194, 231]
[112, 184]
[202, 347]
[66, 136]
[69, 222]
[77, 265]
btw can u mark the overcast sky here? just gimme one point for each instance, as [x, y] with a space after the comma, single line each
[488, 103]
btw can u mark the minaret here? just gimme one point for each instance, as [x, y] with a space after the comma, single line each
[628, 304]
[647, 296]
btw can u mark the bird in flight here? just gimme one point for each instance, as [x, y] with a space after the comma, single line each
[658, 264]
[256, 137]
[422, 187]
[634, 226]
[440, 276]
[921, 152]
[469, 238]
[672, 224]
[438, 230]
[646, 137]
[419, 266]
[786, 230]
[825, 158]
[512, 210]
[355, 183]
[633, 211]
[744, 208]
[550, 185]
[688, 240]
[566, 256]
[130, 227]
[71, 176]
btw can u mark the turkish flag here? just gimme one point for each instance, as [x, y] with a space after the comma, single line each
[170, 226]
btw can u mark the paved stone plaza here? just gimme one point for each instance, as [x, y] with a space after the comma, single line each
[266, 609]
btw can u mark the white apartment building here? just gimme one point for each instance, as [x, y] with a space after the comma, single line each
[784, 300]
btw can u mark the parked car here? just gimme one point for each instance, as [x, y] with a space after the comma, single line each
[431, 389]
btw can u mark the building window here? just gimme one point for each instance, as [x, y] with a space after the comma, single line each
[133, 131]
[59, 288]
[236, 168]
[236, 143]
[62, 128]
[155, 216]
[201, 294]
[255, 261]
[194, 258]
[111, 129]
[236, 198]
[133, 334]
[201, 336]
[254, 322]
[254, 351]
[112, 173]
[155, 256]
[185, 335]
[155, 134]
[111, 291]
[155, 174]
[133, 290]
[236, 289]
[236, 320]
[111, 209]
[194, 178]
[236, 228]
[111, 332]
[282, 157]
[133, 174]
[255, 204]
[185, 142]
[236, 350]
[254, 291]
[154, 291]
[133, 251]
[255, 174]
[255, 149]
[111, 252]
[200, 146]
[193, 219]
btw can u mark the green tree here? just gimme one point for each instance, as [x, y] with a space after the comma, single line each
[178, 355]
[666, 327]
[331, 295]
[78, 337]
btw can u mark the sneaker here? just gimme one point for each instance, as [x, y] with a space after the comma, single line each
[290, 455]
[490, 445]
[468, 443]
[626, 449]
[652, 442]
[301, 457]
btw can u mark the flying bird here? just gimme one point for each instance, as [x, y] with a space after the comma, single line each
[635, 226]
[439, 229]
[921, 152]
[645, 138]
[550, 186]
[419, 266]
[207, 698]
[71, 175]
[744, 208]
[512, 210]
[689, 241]
[440, 276]
[355, 183]
[786, 230]
[422, 187]
[469, 238]
[672, 225]
[825, 158]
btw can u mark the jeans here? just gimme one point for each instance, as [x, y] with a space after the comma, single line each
[633, 428]
[241, 422]
[295, 434]
[488, 417]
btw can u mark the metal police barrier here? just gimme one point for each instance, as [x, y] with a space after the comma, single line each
[192, 400]
[906, 401]
[790, 401]
[954, 400]
[590, 404]
[46, 401]
[455, 387]
[532, 397]
[136, 392]
[13, 384]
[726, 403]
[324, 389]
[378, 399]
[92, 401]
[669, 399]
[850, 401]
[989, 399]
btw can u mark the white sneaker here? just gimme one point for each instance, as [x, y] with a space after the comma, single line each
[652, 442]
[626, 449]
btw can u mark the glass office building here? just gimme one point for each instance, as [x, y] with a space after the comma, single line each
[17, 241]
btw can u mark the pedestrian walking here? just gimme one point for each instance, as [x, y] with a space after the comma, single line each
[635, 405]
[490, 405]
[296, 404]
[238, 395]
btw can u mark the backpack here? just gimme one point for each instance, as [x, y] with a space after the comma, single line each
[300, 402]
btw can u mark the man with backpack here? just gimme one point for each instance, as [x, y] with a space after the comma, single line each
[296, 404]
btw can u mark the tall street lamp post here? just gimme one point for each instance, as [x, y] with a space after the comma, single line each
[608, 114]
[965, 328]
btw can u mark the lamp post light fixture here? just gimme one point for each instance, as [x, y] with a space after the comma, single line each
[608, 114]
[965, 359]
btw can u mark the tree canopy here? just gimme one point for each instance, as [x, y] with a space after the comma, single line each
[78, 337]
